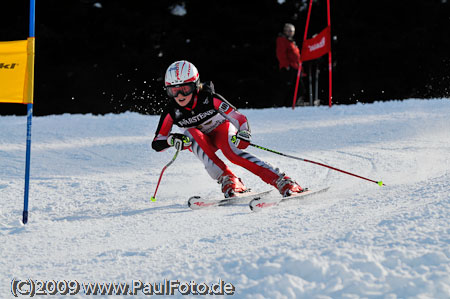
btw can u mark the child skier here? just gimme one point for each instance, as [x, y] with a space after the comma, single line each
[212, 123]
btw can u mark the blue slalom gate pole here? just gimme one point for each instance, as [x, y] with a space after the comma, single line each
[27, 164]
[32, 6]
[29, 119]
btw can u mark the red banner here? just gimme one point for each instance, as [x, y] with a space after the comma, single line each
[314, 48]
[317, 46]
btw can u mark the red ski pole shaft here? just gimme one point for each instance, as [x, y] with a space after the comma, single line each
[343, 171]
[178, 147]
[153, 198]
[380, 183]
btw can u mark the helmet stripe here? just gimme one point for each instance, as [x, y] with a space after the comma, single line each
[192, 79]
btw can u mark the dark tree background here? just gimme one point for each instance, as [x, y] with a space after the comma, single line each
[108, 56]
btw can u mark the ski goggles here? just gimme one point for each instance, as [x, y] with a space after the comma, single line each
[185, 90]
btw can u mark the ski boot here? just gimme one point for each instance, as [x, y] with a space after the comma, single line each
[287, 186]
[231, 185]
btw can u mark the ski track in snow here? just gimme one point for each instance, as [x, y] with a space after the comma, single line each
[91, 219]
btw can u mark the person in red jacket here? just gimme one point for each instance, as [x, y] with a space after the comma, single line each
[288, 55]
[210, 123]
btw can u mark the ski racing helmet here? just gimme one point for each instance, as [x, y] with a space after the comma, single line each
[181, 77]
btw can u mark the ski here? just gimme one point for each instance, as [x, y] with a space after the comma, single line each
[197, 202]
[261, 202]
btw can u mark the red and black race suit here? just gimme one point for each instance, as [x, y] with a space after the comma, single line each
[201, 113]
[210, 122]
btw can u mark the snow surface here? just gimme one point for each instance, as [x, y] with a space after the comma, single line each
[91, 219]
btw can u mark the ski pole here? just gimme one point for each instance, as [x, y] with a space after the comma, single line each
[380, 183]
[178, 145]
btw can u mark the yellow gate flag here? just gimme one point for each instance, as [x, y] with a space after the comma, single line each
[17, 71]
